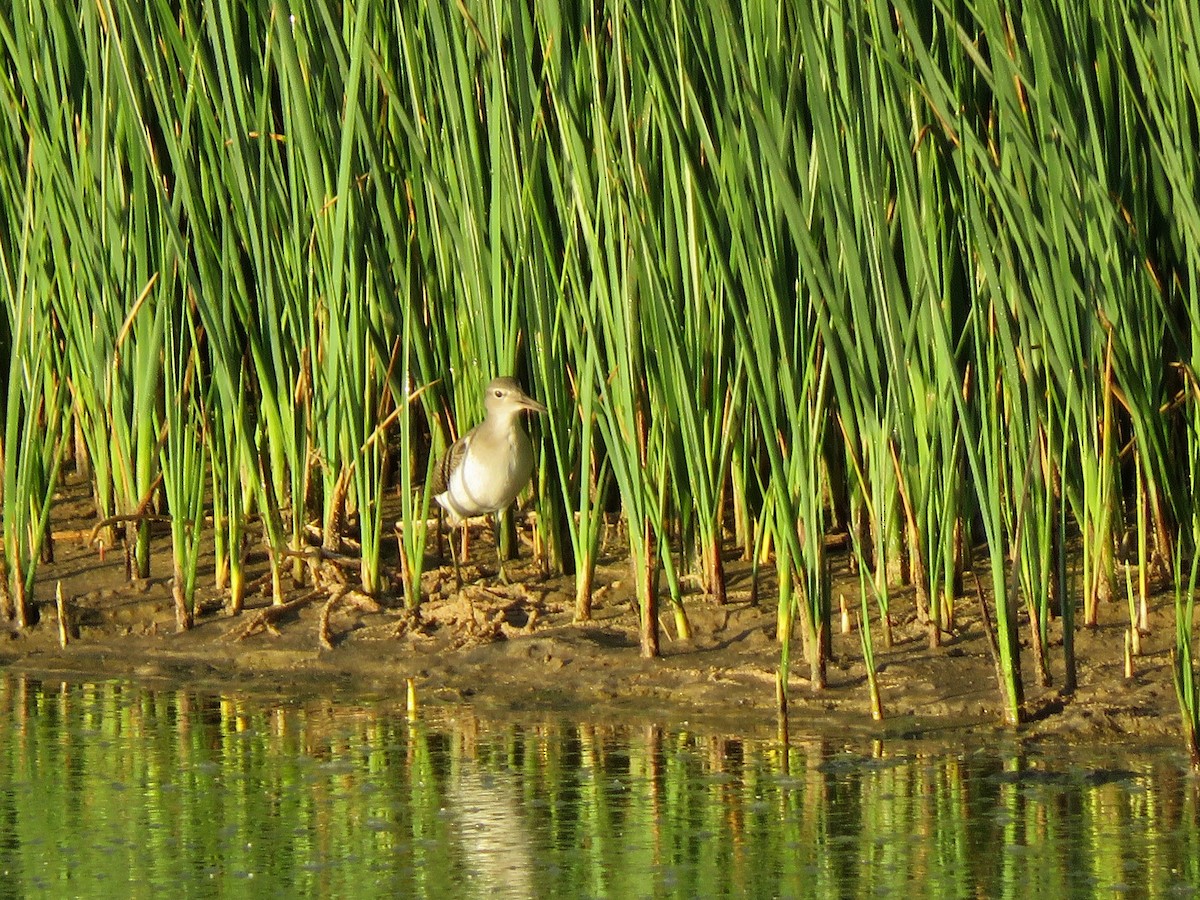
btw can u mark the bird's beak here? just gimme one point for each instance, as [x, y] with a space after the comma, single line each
[529, 403]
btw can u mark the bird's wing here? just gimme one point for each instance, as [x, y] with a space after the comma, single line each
[448, 463]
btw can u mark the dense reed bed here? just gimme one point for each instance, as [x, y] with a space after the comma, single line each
[923, 274]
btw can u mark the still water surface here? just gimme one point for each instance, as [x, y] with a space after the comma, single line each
[113, 790]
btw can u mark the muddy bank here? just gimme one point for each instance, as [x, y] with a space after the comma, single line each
[508, 648]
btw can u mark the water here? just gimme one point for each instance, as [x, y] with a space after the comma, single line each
[113, 790]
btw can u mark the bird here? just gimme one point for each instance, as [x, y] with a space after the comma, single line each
[485, 469]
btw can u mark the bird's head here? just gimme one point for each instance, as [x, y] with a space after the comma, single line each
[505, 398]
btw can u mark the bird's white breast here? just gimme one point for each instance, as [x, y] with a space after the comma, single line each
[489, 481]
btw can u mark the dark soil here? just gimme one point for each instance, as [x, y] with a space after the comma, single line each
[512, 648]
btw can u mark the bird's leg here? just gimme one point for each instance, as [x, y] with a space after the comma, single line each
[458, 584]
[497, 527]
[457, 570]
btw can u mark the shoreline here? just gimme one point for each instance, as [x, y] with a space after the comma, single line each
[514, 649]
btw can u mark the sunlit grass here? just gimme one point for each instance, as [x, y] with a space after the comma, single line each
[923, 273]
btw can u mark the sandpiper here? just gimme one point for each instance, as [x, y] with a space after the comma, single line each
[485, 469]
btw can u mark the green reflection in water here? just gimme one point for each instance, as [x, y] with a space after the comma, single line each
[108, 789]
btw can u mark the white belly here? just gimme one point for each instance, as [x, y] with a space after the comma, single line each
[484, 483]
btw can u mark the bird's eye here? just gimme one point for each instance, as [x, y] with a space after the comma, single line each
[499, 393]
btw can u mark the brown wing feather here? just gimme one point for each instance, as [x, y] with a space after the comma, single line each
[448, 463]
